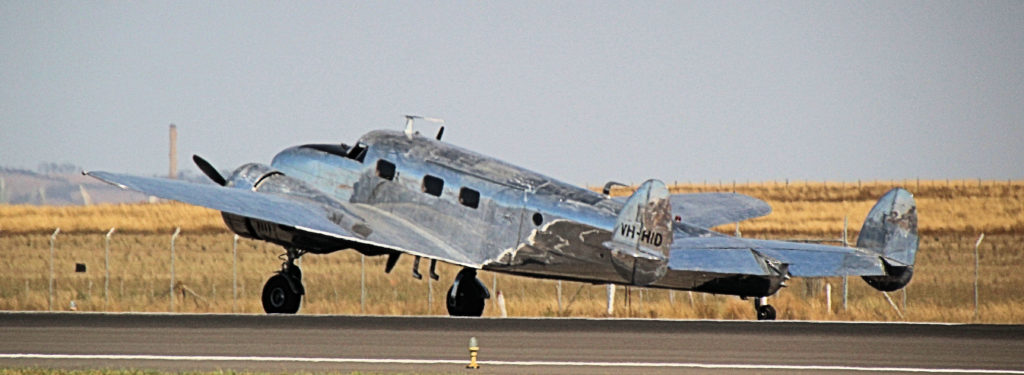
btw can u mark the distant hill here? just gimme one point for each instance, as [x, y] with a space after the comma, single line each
[63, 187]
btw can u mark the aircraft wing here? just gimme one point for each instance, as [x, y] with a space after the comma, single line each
[345, 221]
[731, 255]
[708, 210]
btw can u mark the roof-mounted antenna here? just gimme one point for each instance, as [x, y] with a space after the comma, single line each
[408, 124]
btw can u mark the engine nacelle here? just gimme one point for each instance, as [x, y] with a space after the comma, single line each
[264, 179]
[250, 176]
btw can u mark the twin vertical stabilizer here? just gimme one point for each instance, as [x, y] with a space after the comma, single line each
[642, 235]
[890, 230]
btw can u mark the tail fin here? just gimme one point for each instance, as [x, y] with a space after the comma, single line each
[642, 235]
[891, 230]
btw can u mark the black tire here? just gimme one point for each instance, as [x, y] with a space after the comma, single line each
[766, 312]
[468, 300]
[279, 298]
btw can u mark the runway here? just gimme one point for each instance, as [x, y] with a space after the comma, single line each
[516, 346]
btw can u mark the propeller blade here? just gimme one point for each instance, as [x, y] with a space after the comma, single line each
[209, 170]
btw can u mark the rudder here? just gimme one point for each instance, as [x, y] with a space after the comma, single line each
[642, 235]
[890, 230]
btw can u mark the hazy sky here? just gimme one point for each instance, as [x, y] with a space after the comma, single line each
[584, 91]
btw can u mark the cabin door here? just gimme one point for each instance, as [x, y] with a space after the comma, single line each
[507, 219]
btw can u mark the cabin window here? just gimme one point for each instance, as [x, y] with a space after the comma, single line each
[469, 197]
[432, 185]
[385, 169]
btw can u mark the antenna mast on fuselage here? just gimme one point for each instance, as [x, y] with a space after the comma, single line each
[409, 120]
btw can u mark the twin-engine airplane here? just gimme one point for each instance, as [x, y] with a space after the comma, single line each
[393, 193]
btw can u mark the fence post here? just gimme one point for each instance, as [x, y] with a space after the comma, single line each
[234, 274]
[106, 265]
[828, 298]
[53, 239]
[174, 237]
[362, 284]
[846, 243]
[430, 295]
[611, 298]
[976, 245]
[629, 303]
[558, 290]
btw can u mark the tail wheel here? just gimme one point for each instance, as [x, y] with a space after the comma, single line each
[278, 296]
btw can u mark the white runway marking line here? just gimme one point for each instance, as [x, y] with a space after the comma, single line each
[208, 358]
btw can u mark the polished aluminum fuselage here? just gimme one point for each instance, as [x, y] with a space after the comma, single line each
[523, 222]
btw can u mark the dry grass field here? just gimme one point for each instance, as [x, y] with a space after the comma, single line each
[951, 217]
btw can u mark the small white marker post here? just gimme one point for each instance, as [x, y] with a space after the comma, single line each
[501, 305]
[106, 263]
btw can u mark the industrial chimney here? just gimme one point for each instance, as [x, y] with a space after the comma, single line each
[173, 173]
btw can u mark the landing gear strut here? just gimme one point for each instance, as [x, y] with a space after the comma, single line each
[764, 310]
[282, 294]
[467, 294]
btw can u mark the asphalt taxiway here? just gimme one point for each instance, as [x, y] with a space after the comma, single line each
[439, 344]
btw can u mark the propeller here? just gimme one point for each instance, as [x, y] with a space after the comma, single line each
[209, 170]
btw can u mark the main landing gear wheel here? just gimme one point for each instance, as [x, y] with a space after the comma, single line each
[279, 297]
[763, 309]
[466, 295]
[766, 312]
[282, 294]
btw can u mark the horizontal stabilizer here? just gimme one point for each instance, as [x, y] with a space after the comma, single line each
[706, 210]
[730, 255]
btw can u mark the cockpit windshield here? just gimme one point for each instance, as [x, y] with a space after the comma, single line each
[357, 152]
[333, 149]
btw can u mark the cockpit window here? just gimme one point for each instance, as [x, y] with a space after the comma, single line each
[357, 152]
[385, 169]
